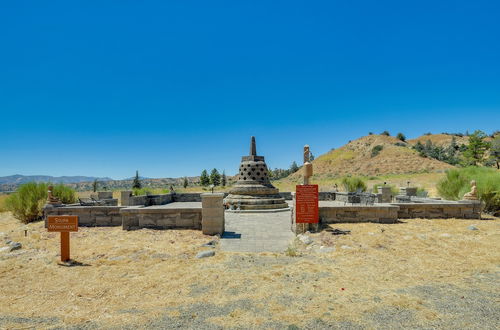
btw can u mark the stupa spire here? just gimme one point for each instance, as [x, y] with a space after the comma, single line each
[253, 147]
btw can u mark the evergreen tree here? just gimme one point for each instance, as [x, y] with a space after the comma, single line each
[223, 179]
[495, 150]
[386, 133]
[294, 167]
[185, 183]
[401, 137]
[204, 179]
[94, 185]
[476, 149]
[215, 177]
[137, 183]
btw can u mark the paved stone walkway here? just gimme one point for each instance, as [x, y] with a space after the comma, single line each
[257, 232]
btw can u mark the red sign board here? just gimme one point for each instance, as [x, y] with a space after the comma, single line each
[306, 204]
[62, 223]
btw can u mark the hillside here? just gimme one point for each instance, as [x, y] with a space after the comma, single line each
[442, 140]
[356, 158]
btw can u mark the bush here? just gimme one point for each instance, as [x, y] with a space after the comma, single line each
[27, 203]
[66, 194]
[376, 150]
[394, 190]
[142, 191]
[353, 184]
[457, 183]
[386, 133]
[401, 137]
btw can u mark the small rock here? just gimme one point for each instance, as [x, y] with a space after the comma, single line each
[325, 249]
[371, 234]
[406, 237]
[117, 258]
[205, 254]
[346, 247]
[305, 239]
[6, 248]
[445, 235]
[422, 236]
[472, 227]
[15, 246]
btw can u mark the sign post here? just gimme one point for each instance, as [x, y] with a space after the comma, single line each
[63, 224]
[306, 203]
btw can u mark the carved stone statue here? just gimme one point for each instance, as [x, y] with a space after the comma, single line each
[472, 194]
[307, 154]
[51, 199]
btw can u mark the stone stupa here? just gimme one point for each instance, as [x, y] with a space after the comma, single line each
[253, 190]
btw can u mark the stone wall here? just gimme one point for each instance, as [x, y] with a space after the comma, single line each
[88, 215]
[440, 209]
[160, 218]
[358, 213]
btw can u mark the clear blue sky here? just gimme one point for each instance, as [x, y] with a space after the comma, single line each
[103, 88]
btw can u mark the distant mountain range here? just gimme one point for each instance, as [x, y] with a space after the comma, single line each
[20, 179]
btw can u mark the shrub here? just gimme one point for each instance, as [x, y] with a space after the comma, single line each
[353, 184]
[386, 133]
[142, 191]
[376, 150]
[457, 182]
[26, 204]
[401, 137]
[400, 144]
[64, 193]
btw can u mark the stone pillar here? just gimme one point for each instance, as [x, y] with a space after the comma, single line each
[408, 191]
[125, 197]
[212, 213]
[386, 194]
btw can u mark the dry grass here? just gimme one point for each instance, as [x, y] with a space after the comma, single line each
[154, 272]
[442, 140]
[3, 197]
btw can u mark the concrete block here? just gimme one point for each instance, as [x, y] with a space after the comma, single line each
[102, 221]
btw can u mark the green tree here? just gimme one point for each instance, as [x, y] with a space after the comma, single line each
[215, 177]
[495, 150]
[294, 167]
[137, 183]
[401, 137]
[386, 133]
[223, 180]
[94, 185]
[204, 179]
[476, 149]
[185, 183]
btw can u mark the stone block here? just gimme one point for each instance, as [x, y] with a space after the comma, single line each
[184, 223]
[104, 194]
[146, 220]
[102, 221]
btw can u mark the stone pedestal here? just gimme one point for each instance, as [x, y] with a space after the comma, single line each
[386, 194]
[408, 191]
[212, 214]
[125, 197]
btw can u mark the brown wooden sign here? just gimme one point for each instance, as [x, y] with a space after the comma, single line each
[63, 224]
[306, 203]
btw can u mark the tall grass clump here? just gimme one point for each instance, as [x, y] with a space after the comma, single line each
[26, 204]
[353, 184]
[457, 182]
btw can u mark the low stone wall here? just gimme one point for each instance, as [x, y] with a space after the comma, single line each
[358, 213]
[88, 215]
[440, 209]
[186, 197]
[160, 217]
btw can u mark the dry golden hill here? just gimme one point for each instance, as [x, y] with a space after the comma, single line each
[357, 158]
[441, 140]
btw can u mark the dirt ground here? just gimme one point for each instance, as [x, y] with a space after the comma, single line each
[414, 274]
